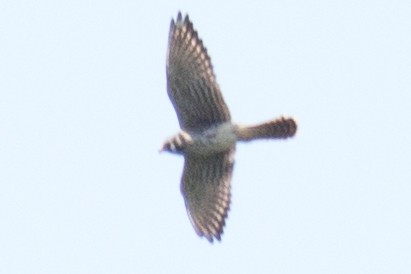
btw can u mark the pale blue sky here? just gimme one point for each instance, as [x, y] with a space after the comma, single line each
[84, 109]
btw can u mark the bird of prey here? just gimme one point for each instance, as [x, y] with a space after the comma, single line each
[207, 138]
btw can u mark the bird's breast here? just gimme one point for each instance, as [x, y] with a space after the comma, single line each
[216, 139]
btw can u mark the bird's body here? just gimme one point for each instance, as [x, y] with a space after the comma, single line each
[223, 137]
[216, 139]
[207, 138]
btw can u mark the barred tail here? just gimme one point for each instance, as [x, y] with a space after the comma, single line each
[281, 128]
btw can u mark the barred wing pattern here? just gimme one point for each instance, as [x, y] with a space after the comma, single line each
[191, 83]
[206, 188]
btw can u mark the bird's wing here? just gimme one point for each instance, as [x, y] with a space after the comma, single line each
[191, 83]
[206, 186]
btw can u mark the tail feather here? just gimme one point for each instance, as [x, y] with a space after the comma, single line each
[281, 128]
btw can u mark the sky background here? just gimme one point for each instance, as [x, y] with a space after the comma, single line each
[84, 110]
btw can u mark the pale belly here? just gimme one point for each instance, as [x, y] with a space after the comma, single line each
[218, 139]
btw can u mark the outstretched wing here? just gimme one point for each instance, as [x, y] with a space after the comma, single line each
[206, 185]
[191, 83]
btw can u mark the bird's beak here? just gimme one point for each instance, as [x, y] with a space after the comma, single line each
[161, 149]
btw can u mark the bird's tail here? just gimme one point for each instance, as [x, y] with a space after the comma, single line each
[281, 128]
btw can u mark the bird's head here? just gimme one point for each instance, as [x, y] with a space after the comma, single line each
[176, 144]
[168, 146]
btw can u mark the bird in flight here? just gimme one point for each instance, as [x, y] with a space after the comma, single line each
[207, 138]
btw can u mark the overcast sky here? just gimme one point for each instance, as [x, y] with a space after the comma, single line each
[84, 110]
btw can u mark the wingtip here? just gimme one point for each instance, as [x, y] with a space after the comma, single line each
[178, 20]
[181, 20]
[211, 238]
[209, 234]
[213, 235]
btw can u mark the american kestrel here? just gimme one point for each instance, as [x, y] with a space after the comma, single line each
[208, 137]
